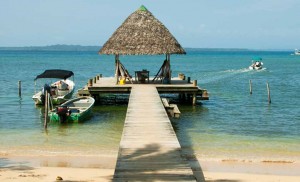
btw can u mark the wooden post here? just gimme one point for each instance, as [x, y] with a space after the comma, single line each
[98, 77]
[50, 104]
[94, 79]
[170, 72]
[189, 79]
[46, 109]
[194, 83]
[269, 96]
[250, 85]
[194, 99]
[117, 60]
[20, 88]
[90, 82]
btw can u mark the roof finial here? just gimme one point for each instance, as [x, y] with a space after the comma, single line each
[143, 8]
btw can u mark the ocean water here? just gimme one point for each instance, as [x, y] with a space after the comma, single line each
[232, 125]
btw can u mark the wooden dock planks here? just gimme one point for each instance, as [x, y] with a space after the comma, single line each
[149, 149]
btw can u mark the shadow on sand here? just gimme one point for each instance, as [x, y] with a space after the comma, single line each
[153, 163]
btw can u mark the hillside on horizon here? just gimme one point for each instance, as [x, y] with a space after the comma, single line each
[65, 47]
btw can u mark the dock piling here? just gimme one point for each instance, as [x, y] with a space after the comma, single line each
[46, 110]
[189, 79]
[20, 88]
[90, 83]
[194, 83]
[194, 94]
[194, 99]
[269, 96]
[250, 85]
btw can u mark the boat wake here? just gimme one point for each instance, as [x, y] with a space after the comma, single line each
[242, 70]
[263, 69]
[221, 75]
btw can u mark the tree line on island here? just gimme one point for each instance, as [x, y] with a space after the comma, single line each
[65, 47]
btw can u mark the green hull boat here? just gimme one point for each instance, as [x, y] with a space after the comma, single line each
[74, 110]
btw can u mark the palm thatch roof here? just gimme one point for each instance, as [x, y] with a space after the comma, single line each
[141, 33]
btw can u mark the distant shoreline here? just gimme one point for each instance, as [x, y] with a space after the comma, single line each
[63, 47]
[52, 48]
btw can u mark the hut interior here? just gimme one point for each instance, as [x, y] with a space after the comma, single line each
[122, 73]
[164, 73]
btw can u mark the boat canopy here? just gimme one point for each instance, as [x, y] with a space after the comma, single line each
[56, 73]
[257, 59]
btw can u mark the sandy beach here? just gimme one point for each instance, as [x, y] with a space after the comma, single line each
[101, 168]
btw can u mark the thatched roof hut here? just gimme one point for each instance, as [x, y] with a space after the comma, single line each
[142, 34]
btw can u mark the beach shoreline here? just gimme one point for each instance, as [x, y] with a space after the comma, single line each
[101, 168]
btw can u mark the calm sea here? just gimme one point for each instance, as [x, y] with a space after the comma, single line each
[232, 125]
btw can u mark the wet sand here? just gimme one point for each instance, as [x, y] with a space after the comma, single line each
[101, 168]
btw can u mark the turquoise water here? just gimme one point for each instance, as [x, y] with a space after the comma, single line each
[232, 125]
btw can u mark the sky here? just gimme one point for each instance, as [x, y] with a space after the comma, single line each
[251, 24]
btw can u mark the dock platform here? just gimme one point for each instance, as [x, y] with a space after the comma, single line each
[149, 149]
[107, 85]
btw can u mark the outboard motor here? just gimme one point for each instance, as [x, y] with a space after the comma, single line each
[62, 112]
[43, 95]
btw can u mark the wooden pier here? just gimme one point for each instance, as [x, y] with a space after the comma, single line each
[149, 149]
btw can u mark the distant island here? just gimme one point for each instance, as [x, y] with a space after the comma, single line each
[58, 47]
[64, 47]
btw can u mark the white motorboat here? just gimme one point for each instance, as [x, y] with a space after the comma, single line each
[297, 52]
[257, 64]
[60, 91]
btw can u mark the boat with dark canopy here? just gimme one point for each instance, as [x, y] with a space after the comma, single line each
[60, 91]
